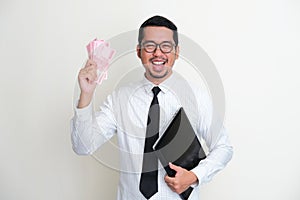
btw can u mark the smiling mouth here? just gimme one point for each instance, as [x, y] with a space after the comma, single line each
[158, 62]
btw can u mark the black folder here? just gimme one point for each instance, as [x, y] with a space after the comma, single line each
[180, 146]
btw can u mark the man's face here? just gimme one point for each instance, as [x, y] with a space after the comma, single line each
[158, 65]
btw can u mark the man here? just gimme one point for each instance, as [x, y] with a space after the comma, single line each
[125, 113]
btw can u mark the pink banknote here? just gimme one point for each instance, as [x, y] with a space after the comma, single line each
[102, 54]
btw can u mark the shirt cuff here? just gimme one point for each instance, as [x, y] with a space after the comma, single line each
[199, 171]
[85, 113]
[194, 184]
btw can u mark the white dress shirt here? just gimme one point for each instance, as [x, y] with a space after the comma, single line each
[125, 113]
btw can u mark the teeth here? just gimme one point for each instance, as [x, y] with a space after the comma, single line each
[158, 63]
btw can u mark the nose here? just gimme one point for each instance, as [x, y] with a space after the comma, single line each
[157, 51]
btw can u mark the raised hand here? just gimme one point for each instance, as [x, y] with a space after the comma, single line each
[87, 82]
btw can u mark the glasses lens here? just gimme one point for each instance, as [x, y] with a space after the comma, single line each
[165, 47]
[149, 46]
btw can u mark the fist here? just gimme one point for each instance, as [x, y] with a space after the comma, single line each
[87, 77]
[182, 180]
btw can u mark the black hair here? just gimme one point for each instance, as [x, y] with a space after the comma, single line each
[158, 21]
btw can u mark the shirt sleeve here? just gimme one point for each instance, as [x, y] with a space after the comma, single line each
[89, 129]
[217, 158]
[217, 141]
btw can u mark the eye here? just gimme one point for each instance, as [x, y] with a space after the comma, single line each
[166, 45]
[149, 45]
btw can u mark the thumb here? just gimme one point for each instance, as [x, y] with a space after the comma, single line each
[175, 167]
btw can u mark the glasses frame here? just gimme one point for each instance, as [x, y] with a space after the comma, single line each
[158, 45]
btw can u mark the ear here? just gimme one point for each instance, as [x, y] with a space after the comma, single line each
[177, 52]
[138, 50]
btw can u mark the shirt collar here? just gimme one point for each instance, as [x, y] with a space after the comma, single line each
[165, 86]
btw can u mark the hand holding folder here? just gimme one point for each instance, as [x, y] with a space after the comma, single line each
[179, 145]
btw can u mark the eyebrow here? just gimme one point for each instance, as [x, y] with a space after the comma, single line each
[155, 42]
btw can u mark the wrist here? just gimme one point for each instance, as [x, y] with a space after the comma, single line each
[194, 178]
[84, 99]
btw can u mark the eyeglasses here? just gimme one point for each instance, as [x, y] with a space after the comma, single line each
[165, 47]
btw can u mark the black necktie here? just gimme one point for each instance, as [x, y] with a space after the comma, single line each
[148, 182]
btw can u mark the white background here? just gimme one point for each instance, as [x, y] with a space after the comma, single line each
[254, 44]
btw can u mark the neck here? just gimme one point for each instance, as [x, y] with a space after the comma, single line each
[157, 81]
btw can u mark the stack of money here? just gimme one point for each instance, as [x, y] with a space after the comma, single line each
[100, 52]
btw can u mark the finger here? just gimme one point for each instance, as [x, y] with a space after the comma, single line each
[89, 70]
[91, 67]
[169, 179]
[170, 184]
[93, 72]
[83, 73]
[90, 62]
[90, 76]
[171, 187]
[175, 167]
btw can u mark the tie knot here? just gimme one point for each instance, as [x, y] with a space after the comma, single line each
[155, 90]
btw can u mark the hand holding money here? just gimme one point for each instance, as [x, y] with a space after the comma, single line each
[95, 69]
[100, 52]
